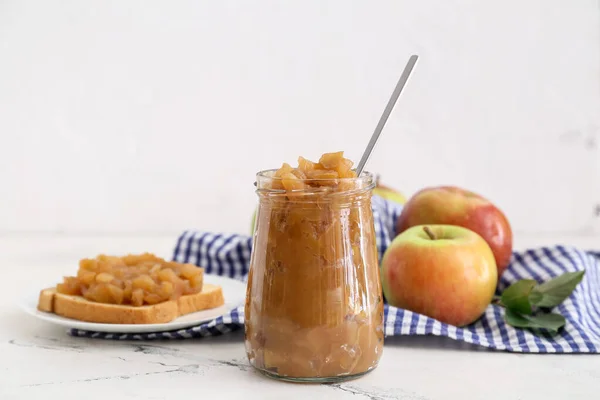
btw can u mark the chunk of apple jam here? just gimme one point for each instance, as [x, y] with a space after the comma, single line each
[134, 280]
[327, 172]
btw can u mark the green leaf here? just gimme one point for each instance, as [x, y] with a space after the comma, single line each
[553, 292]
[535, 297]
[552, 322]
[516, 296]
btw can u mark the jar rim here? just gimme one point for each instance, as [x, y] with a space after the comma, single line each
[366, 178]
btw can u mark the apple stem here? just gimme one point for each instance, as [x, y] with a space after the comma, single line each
[497, 300]
[429, 233]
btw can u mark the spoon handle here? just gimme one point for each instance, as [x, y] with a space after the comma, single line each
[386, 113]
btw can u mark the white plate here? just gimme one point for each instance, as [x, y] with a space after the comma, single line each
[234, 292]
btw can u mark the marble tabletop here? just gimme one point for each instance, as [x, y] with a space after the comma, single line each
[40, 361]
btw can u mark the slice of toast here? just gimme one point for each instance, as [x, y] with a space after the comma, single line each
[78, 307]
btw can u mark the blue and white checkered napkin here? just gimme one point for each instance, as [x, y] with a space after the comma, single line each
[229, 255]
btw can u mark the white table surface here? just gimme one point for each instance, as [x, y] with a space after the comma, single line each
[40, 361]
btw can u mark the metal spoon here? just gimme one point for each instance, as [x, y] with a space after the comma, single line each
[386, 113]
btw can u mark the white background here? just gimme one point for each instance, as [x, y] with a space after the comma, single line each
[124, 122]
[149, 117]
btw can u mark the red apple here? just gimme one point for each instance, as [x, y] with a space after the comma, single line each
[446, 272]
[450, 205]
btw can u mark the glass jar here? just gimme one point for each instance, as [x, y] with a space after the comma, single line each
[314, 307]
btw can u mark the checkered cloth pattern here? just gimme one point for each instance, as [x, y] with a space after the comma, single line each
[229, 255]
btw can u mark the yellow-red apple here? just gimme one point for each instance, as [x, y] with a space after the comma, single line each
[449, 205]
[388, 193]
[446, 272]
[253, 222]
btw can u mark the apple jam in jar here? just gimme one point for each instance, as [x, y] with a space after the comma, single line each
[314, 307]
